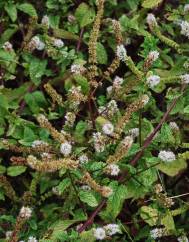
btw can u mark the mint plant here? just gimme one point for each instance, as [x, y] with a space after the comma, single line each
[93, 120]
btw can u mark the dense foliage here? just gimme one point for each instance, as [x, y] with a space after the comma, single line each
[94, 110]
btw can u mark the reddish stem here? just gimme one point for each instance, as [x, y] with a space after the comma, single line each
[93, 215]
[80, 39]
[134, 161]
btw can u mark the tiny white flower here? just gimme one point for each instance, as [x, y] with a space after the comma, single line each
[173, 126]
[108, 128]
[99, 233]
[7, 46]
[127, 141]
[58, 43]
[117, 81]
[99, 143]
[182, 238]
[38, 143]
[8, 234]
[145, 99]
[121, 52]
[25, 212]
[151, 20]
[70, 118]
[109, 90]
[153, 55]
[112, 229]
[32, 239]
[153, 81]
[83, 159]
[106, 191]
[184, 28]
[85, 187]
[101, 109]
[157, 233]
[186, 8]
[112, 169]
[36, 43]
[185, 79]
[66, 148]
[166, 156]
[40, 46]
[45, 20]
[134, 132]
[76, 68]
[46, 155]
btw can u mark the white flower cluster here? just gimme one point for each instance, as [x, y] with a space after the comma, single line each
[127, 141]
[117, 82]
[32, 239]
[110, 110]
[99, 142]
[70, 119]
[8, 234]
[85, 187]
[108, 128]
[153, 55]
[134, 132]
[151, 20]
[145, 99]
[25, 212]
[157, 233]
[65, 148]
[186, 8]
[38, 143]
[166, 156]
[184, 28]
[185, 79]
[112, 169]
[7, 46]
[36, 43]
[77, 69]
[107, 230]
[153, 81]
[121, 52]
[83, 159]
[182, 238]
[58, 43]
[45, 20]
[174, 126]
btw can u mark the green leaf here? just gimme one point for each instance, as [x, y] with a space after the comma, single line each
[27, 8]
[15, 170]
[168, 221]
[115, 201]
[63, 185]
[63, 34]
[186, 109]
[172, 168]
[89, 198]
[80, 130]
[102, 56]
[12, 11]
[6, 56]
[84, 15]
[83, 82]
[149, 215]
[87, 236]
[2, 169]
[37, 69]
[151, 3]
[8, 33]
[35, 101]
